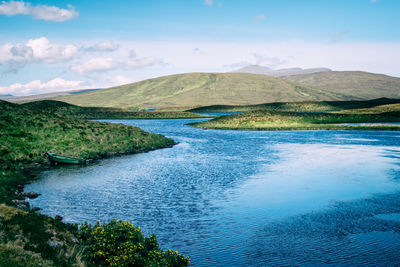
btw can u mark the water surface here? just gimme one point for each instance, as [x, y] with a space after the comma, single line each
[238, 198]
[370, 123]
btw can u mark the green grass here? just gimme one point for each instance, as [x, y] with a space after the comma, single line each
[92, 113]
[305, 106]
[27, 238]
[201, 89]
[376, 109]
[274, 120]
[356, 85]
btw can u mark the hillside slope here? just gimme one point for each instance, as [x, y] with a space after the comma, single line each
[355, 84]
[199, 89]
[203, 89]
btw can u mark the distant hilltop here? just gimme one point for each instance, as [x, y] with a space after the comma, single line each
[29, 98]
[256, 69]
[234, 88]
[203, 89]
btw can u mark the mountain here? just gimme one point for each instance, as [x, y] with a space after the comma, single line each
[29, 98]
[5, 96]
[256, 69]
[356, 85]
[199, 89]
[203, 89]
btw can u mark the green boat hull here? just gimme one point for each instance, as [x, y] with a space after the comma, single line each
[64, 159]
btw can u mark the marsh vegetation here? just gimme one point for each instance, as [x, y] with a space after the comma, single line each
[28, 238]
[297, 116]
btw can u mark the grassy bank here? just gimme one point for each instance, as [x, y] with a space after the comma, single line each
[273, 120]
[93, 113]
[305, 106]
[28, 238]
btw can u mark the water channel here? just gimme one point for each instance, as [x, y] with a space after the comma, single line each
[235, 198]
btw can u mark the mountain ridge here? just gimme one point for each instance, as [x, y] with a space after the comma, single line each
[257, 69]
[203, 89]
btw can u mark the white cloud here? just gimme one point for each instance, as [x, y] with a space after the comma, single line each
[259, 59]
[260, 17]
[98, 64]
[268, 61]
[209, 2]
[46, 52]
[42, 12]
[35, 87]
[106, 46]
[132, 53]
[115, 80]
[101, 64]
[40, 50]
[145, 62]
[379, 57]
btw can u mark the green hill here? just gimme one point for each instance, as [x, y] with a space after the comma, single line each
[203, 89]
[356, 85]
[199, 89]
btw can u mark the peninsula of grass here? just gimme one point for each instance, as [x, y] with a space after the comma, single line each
[278, 120]
[28, 238]
[96, 113]
[305, 106]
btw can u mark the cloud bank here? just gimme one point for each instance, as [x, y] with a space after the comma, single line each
[98, 64]
[106, 46]
[37, 86]
[101, 64]
[41, 12]
[40, 50]
[209, 2]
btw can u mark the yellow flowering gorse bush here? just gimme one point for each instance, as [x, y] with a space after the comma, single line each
[119, 243]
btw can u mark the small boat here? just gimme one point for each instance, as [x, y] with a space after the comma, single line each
[64, 159]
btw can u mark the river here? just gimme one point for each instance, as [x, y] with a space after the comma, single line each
[236, 198]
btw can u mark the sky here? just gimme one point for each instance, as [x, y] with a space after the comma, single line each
[48, 46]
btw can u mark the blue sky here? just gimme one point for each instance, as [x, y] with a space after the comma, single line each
[59, 45]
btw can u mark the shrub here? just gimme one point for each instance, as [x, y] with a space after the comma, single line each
[119, 243]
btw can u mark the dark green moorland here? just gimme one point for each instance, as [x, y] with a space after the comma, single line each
[378, 103]
[28, 238]
[271, 116]
[95, 113]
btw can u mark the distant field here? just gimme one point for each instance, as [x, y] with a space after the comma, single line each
[376, 109]
[267, 119]
[78, 112]
[306, 106]
[354, 84]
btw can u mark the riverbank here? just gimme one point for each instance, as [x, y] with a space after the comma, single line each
[273, 121]
[28, 238]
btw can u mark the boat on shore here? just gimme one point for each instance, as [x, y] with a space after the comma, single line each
[55, 158]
